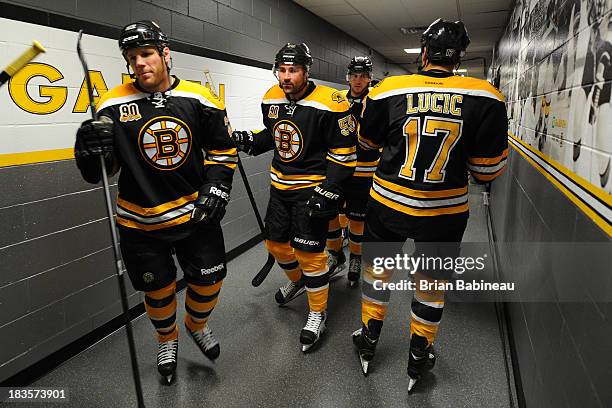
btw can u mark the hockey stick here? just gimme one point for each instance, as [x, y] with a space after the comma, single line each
[265, 269]
[118, 261]
[20, 61]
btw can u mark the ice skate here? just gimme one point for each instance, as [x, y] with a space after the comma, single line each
[336, 262]
[166, 359]
[206, 342]
[354, 271]
[422, 358]
[365, 340]
[289, 291]
[315, 326]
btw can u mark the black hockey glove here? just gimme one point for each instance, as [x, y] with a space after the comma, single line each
[211, 202]
[94, 137]
[324, 201]
[244, 140]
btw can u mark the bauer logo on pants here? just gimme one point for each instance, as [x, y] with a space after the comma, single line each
[288, 140]
[164, 142]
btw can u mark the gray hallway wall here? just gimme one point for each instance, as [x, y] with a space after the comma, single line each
[545, 67]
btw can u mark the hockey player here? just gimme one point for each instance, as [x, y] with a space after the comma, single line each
[433, 127]
[170, 139]
[312, 132]
[357, 188]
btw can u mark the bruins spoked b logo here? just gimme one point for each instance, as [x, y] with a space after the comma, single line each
[288, 140]
[165, 142]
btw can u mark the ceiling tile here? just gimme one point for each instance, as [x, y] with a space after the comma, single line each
[377, 23]
[333, 10]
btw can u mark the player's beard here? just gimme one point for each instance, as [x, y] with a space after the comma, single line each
[295, 88]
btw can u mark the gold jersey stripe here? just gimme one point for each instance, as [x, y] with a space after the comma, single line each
[162, 208]
[343, 150]
[488, 160]
[227, 152]
[418, 211]
[310, 177]
[420, 193]
[120, 91]
[368, 164]
[146, 227]
[402, 84]
[288, 187]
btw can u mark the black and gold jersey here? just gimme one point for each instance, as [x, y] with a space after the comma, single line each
[367, 160]
[168, 145]
[433, 128]
[314, 139]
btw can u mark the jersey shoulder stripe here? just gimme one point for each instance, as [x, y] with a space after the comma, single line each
[404, 84]
[194, 90]
[275, 95]
[326, 98]
[120, 94]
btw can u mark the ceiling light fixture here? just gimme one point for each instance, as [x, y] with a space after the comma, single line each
[412, 30]
[460, 71]
[412, 50]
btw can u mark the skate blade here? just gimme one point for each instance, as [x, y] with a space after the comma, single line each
[411, 382]
[352, 284]
[335, 278]
[306, 347]
[337, 273]
[364, 366]
[169, 379]
[297, 295]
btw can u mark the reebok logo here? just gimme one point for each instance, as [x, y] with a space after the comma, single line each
[214, 269]
[218, 192]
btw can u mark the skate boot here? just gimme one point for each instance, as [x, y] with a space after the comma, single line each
[422, 358]
[206, 342]
[365, 340]
[354, 270]
[315, 326]
[336, 262]
[289, 291]
[166, 359]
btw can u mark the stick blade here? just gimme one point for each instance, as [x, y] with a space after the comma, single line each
[263, 272]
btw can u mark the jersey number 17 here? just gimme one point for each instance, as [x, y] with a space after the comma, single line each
[432, 126]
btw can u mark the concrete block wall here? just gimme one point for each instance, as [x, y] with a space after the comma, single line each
[57, 279]
[253, 29]
[551, 64]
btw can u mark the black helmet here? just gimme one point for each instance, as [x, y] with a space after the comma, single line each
[445, 41]
[359, 64]
[293, 54]
[142, 34]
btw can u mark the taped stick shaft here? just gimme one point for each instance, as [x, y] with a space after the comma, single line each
[21, 61]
